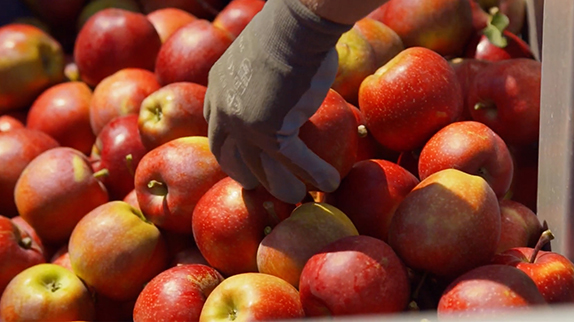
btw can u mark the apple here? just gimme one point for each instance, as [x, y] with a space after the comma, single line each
[230, 222]
[18, 251]
[465, 70]
[370, 194]
[116, 154]
[32, 60]
[434, 101]
[416, 22]
[62, 257]
[505, 96]
[176, 294]
[114, 39]
[94, 6]
[19, 148]
[189, 255]
[167, 20]
[171, 112]
[524, 187]
[489, 291]
[471, 147]
[31, 232]
[480, 47]
[311, 226]
[190, 52]
[116, 250]
[58, 186]
[9, 122]
[520, 227]
[252, 297]
[447, 225]
[63, 112]
[121, 93]
[355, 275]
[237, 14]
[203, 9]
[480, 18]
[409, 160]
[385, 42]
[132, 199]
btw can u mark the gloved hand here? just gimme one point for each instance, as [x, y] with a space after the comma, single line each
[268, 83]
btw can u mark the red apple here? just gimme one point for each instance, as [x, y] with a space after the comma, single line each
[116, 154]
[171, 178]
[524, 187]
[120, 94]
[167, 20]
[63, 112]
[520, 227]
[190, 52]
[465, 70]
[447, 225]
[19, 147]
[132, 199]
[237, 14]
[94, 6]
[480, 18]
[203, 9]
[434, 99]
[480, 47]
[409, 160]
[489, 291]
[62, 257]
[252, 297]
[505, 96]
[355, 275]
[385, 42]
[370, 194]
[229, 222]
[31, 232]
[189, 255]
[378, 13]
[171, 112]
[32, 61]
[8, 122]
[46, 292]
[114, 39]
[116, 250]
[176, 294]
[58, 186]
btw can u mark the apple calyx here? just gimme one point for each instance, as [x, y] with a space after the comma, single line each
[102, 173]
[157, 188]
[362, 130]
[545, 238]
[53, 286]
[497, 23]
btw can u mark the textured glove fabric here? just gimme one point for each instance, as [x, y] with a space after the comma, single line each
[268, 83]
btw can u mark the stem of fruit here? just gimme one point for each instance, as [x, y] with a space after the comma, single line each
[101, 173]
[130, 164]
[546, 237]
[157, 188]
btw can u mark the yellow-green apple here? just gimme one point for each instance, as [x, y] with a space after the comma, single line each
[385, 42]
[370, 194]
[237, 14]
[252, 297]
[32, 60]
[94, 6]
[167, 20]
[19, 148]
[355, 275]
[434, 98]
[465, 69]
[311, 226]
[524, 187]
[229, 222]
[120, 94]
[471, 147]
[447, 225]
[63, 112]
[114, 39]
[176, 294]
[46, 292]
[116, 154]
[505, 96]
[481, 47]
[203, 9]
[9, 122]
[18, 251]
[58, 186]
[520, 227]
[553, 273]
[116, 250]
[190, 52]
[171, 112]
[170, 180]
[489, 291]
[443, 26]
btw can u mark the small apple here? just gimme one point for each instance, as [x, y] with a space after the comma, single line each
[520, 227]
[167, 20]
[237, 14]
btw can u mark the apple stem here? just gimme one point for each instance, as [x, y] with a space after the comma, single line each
[157, 188]
[101, 173]
[130, 164]
[417, 290]
[545, 238]
[26, 242]
[267, 230]
[479, 106]
[363, 132]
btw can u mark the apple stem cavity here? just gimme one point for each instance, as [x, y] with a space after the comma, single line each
[53, 286]
[545, 238]
[26, 242]
[363, 132]
[157, 188]
[101, 173]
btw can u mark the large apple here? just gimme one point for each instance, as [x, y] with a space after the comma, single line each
[520, 226]
[114, 39]
[167, 20]
[229, 222]
[176, 294]
[63, 112]
[46, 292]
[310, 227]
[447, 225]
[252, 297]
[354, 275]
[116, 250]
[434, 99]
[237, 14]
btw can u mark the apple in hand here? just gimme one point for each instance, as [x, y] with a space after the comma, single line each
[434, 99]
[252, 297]
[46, 292]
[171, 112]
[167, 20]
[237, 14]
[116, 250]
[354, 275]
[447, 225]
[229, 222]
[520, 227]
[176, 294]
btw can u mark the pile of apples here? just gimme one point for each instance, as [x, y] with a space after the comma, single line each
[112, 206]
